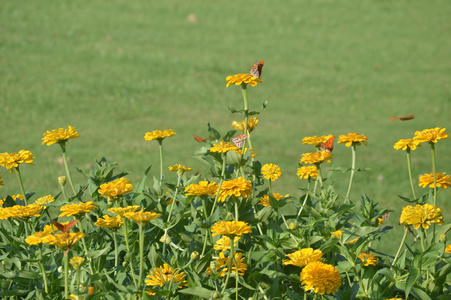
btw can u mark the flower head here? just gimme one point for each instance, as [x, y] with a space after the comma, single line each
[307, 172]
[421, 215]
[204, 188]
[123, 210]
[230, 228]
[77, 210]
[303, 257]
[251, 124]
[39, 237]
[224, 243]
[368, 259]
[443, 180]
[271, 172]
[76, 262]
[321, 278]
[23, 212]
[161, 275]
[316, 157]
[142, 217]
[407, 144]
[238, 187]
[265, 199]
[179, 169]
[338, 234]
[158, 135]
[64, 240]
[60, 136]
[431, 135]
[44, 200]
[222, 263]
[116, 188]
[448, 248]
[223, 147]
[113, 223]
[242, 79]
[13, 160]
[316, 141]
[353, 139]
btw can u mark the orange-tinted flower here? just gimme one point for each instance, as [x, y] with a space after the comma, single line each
[251, 124]
[307, 172]
[11, 161]
[421, 215]
[353, 139]
[142, 217]
[242, 79]
[116, 188]
[238, 187]
[316, 157]
[230, 228]
[443, 180]
[60, 136]
[271, 172]
[316, 140]
[77, 210]
[320, 278]
[303, 257]
[158, 135]
[407, 144]
[222, 263]
[223, 147]
[368, 259]
[431, 135]
[204, 188]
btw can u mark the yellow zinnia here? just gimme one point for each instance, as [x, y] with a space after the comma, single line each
[39, 237]
[77, 210]
[307, 172]
[223, 263]
[242, 79]
[230, 228]
[428, 180]
[407, 144]
[316, 140]
[158, 135]
[23, 212]
[238, 187]
[142, 217]
[251, 124]
[44, 200]
[223, 147]
[161, 275]
[353, 139]
[271, 172]
[320, 278]
[113, 223]
[116, 188]
[123, 210]
[303, 257]
[13, 160]
[60, 136]
[224, 243]
[368, 259]
[265, 199]
[316, 157]
[204, 188]
[421, 215]
[431, 135]
[76, 262]
[64, 240]
[448, 248]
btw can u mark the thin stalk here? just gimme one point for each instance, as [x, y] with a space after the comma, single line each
[434, 171]
[246, 111]
[235, 202]
[353, 151]
[141, 252]
[179, 179]
[409, 167]
[116, 253]
[19, 178]
[66, 276]
[400, 246]
[85, 247]
[41, 266]
[127, 244]
[66, 166]
[305, 199]
[229, 267]
[220, 183]
[160, 146]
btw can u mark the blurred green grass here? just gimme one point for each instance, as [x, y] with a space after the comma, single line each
[117, 69]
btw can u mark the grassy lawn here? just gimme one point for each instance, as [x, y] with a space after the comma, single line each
[117, 69]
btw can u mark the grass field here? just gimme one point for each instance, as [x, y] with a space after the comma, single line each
[117, 69]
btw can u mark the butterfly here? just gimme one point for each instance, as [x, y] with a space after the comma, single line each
[65, 228]
[386, 216]
[328, 146]
[239, 139]
[256, 69]
[406, 118]
[200, 140]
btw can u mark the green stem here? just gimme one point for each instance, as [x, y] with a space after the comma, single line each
[85, 247]
[116, 253]
[66, 166]
[434, 171]
[127, 244]
[246, 111]
[235, 202]
[41, 266]
[409, 167]
[160, 146]
[220, 183]
[305, 199]
[179, 179]
[19, 178]
[66, 276]
[353, 151]
[229, 267]
[141, 252]
[400, 245]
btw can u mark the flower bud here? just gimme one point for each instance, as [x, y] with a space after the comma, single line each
[292, 226]
[443, 238]
[62, 180]
[166, 239]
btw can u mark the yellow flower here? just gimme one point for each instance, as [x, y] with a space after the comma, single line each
[158, 135]
[316, 140]
[77, 210]
[45, 200]
[15, 197]
[238, 187]
[39, 237]
[303, 257]
[251, 124]
[222, 263]
[338, 234]
[23, 212]
[353, 139]
[113, 223]
[407, 144]
[180, 169]
[76, 262]
[223, 147]
[448, 248]
[271, 172]
[161, 275]
[243, 79]
[204, 188]
[116, 188]
[142, 217]
[230, 228]
[265, 199]
[316, 157]
[421, 215]
[321, 278]
[122, 210]
[60, 136]
[224, 243]
[428, 179]
[13, 160]
[307, 172]
[368, 259]
[64, 240]
[431, 135]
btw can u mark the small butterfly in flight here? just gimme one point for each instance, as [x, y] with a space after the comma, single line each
[328, 146]
[406, 118]
[65, 228]
[256, 69]
[239, 139]
[200, 140]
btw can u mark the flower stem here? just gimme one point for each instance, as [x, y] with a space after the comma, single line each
[434, 171]
[409, 167]
[236, 209]
[353, 151]
[400, 246]
[127, 244]
[83, 241]
[179, 179]
[246, 110]
[160, 146]
[66, 166]
[305, 199]
[66, 275]
[220, 183]
[229, 267]
[41, 266]
[19, 178]
[141, 252]
[116, 254]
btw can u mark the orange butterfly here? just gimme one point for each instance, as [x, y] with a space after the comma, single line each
[328, 146]
[256, 69]
[406, 118]
[239, 139]
[200, 140]
[66, 227]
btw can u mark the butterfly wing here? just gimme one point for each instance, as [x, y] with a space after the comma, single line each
[406, 118]
[328, 146]
[199, 139]
[66, 227]
[239, 139]
[256, 69]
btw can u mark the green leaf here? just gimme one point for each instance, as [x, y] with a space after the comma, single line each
[198, 291]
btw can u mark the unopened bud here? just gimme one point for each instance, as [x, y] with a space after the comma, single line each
[62, 180]
[293, 226]
[443, 238]
[166, 239]
[194, 255]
